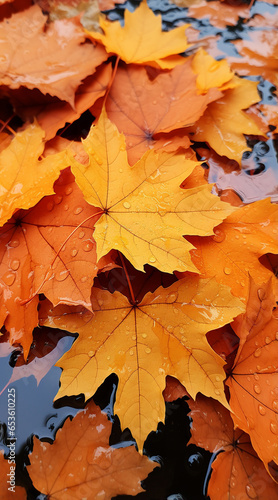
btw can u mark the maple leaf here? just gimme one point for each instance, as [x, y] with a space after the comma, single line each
[211, 73]
[141, 40]
[24, 178]
[236, 470]
[252, 228]
[48, 249]
[224, 122]
[141, 343]
[168, 102]
[218, 13]
[102, 471]
[254, 378]
[31, 50]
[5, 469]
[144, 211]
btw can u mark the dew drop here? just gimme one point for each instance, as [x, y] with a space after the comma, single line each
[233, 483]
[256, 377]
[62, 275]
[275, 404]
[78, 210]
[261, 293]
[131, 352]
[91, 353]
[108, 358]
[242, 283]
[144, 335]
[9, 278]
[126, 204]
[267, 340]
[262, 410]
[15, 264]
[84, 279]
[154, 102]
[257, 352]
[120, 170]
[169, 328]
[217, 392]
[74, 252]
[66, 207]
[88, 246]
[219, 236]
[257, 389]
[274, 427]
[58, 199]
[14, 243]
[81, 234]
[152, 259]
[227, 270]
[250, 491]
[217, 378]
[49, 206]
[68, 190]
[148, 350]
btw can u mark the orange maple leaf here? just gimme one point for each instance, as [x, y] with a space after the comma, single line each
[238, 472]
[5, 469]
[53, 59]
[254, 377]
[85, 441]
[49, 249]
[163, 334]
[164, 104]
[238, 243]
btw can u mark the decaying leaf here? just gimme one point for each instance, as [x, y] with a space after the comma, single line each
[254, 378]
[141, 40]
[163, 334]
[30, 49]
[144, 212]
[81, 464]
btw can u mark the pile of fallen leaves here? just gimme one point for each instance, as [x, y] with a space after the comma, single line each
[119, 238]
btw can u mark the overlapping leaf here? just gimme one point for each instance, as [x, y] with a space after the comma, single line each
[54, 59]
[144, 211]
[237, 470]
[164, 334]
[24, 178]
[141, 40]
[81, 464]
[254, 378]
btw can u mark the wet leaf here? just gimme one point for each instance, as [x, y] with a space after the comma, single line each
[164, 104]
[81, 464]
[141, 40]
[234, 251]
[48, 249]
[211, 73]
[141, 343]
[52, 58]
[146, 216]
[236, 469]
[224, 123]
[254, 378]
[25, 178]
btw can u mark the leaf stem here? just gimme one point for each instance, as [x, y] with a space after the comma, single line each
[128, 280]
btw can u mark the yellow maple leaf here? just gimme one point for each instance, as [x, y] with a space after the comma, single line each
[143, 211]
[24, 179]
[211, 73]
[224, 122]
[142, 343]
[141, 40]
